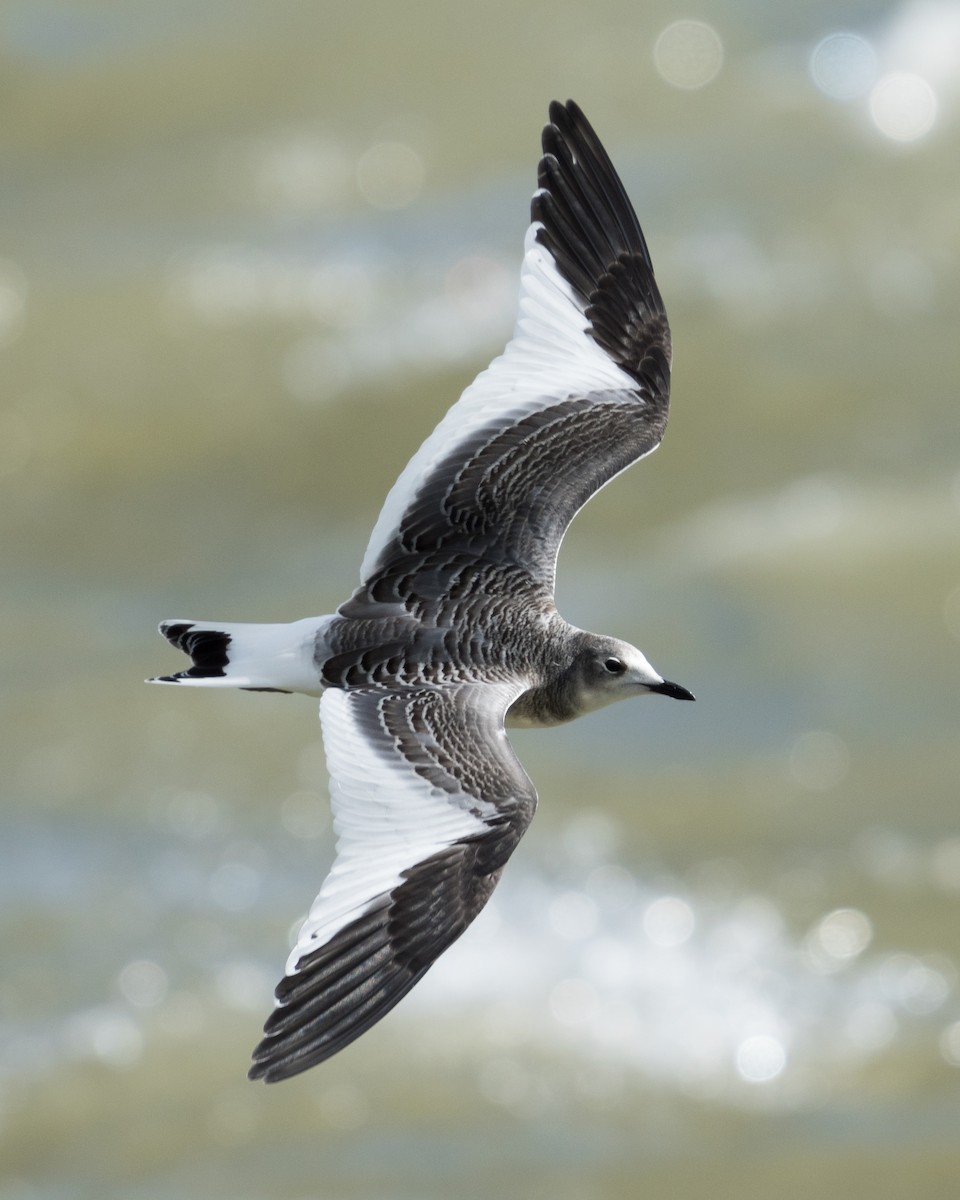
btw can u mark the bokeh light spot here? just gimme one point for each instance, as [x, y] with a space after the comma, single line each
[950, 1044]
[590, 837]
[143, 983]
[688, 54]
[903, 106]
[918, 985]
[843, 66]
[838, 938]
[760, 1058]
[107, 1034]
[302, 173]
[668, 921]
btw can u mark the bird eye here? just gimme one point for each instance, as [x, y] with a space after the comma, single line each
[615, 666]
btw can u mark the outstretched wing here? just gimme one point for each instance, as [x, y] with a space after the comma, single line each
[429, 802]
[581, 391]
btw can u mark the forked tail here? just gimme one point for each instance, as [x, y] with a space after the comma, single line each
[271, 658]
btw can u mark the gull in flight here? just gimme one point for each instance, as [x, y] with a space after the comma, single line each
[453, 633]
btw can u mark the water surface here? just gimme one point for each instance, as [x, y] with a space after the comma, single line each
[248, 255]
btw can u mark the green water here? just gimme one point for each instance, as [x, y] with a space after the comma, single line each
[248, 255]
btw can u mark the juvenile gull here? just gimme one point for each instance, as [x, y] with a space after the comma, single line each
[453, 633]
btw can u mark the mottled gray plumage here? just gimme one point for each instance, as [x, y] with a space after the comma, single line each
[453, 632]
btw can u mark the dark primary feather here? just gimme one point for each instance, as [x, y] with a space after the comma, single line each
[344, 988]
[592, 231]
[452, 738]
[508, 491]
[586, 170]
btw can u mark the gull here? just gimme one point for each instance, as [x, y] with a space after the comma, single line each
[453, 633]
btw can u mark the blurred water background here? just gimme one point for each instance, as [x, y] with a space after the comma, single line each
[250, 253]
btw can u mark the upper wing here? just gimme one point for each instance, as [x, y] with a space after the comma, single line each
[581, 391]
[429, 801]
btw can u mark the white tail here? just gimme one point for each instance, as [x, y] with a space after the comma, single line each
[278, 658]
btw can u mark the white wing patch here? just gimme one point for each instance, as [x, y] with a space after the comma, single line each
[387, 819]
[550, 357]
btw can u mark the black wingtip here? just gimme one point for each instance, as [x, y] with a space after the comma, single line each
[590, 229]
[569, 136]
[557, 109]
[560, 110]
[261, 1071]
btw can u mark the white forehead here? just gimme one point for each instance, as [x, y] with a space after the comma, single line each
[633, 657]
